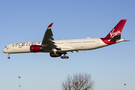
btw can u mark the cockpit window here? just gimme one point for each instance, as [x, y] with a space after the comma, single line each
[5, 46]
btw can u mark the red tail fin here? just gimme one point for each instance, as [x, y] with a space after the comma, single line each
[117, 29]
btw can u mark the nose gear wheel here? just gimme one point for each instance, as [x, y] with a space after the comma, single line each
[8, 55]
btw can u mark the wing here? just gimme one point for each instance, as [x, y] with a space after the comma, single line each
[48, 37]
[47, 42]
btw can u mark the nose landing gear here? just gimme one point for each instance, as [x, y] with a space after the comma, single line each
[8, 55]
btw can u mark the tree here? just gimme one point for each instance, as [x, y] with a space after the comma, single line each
[78, 82]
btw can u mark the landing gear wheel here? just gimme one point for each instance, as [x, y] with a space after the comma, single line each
[61, 57]
[8, 55]
[64, 57]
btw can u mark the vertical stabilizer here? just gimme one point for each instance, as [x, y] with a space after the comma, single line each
[116, 31]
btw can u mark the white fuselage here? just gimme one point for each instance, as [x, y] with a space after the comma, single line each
[65, 45]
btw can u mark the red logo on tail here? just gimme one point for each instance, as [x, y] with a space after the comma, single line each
[113, 33]
[117, 29]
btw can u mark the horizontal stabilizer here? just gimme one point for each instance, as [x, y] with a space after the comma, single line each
[127, 40]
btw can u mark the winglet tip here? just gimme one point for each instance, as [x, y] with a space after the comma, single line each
[50, 25]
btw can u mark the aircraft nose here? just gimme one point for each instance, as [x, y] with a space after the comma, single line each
[3, 50]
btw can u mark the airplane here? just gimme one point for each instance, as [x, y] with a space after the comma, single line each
[59, 48]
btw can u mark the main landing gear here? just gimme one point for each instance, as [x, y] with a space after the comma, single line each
[64, 57]
[8, 56]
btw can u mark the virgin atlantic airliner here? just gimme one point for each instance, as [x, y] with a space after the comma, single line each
[59, 48]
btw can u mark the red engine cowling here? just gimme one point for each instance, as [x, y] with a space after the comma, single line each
[35, 48]
[52, 54]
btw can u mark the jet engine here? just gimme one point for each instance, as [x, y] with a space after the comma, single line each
[52, 54]
[35, 48]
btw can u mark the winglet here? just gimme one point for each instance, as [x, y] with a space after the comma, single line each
[50, 25]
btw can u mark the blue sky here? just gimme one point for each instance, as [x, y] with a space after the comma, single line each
[26, 20]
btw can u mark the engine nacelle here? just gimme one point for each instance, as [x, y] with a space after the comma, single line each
[52, 54]
[35, 48]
